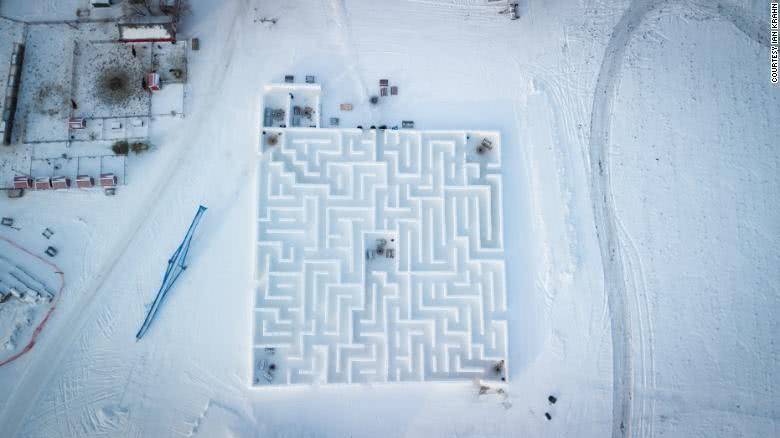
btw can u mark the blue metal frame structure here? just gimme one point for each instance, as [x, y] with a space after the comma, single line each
[176, 265]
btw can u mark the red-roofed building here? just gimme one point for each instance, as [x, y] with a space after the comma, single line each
[42, 183]
[108, 180]
[85, 181]
[23, 182]
[60, 182]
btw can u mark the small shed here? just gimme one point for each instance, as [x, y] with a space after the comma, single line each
[77, 123]
[60, 182]
[43, 183]
[147, 32]
[85, 181]
[108, 179]
[23, 182]
[153, 81]
[345, 107]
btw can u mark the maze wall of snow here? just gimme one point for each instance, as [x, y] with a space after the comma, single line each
[328, 307]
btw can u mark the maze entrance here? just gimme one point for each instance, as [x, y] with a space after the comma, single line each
[379, 257]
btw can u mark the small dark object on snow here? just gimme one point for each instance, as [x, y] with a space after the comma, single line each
[380, 246]
[310, 79]
[121, 147]
[15, 193]
[382, 126]
[139, 146]
[383, 82]
[484, 146]
[277, 114]
[47, 233]
[372, 127]
[498, 367]
[407, 124]
[359, 126]
[552, 399]
[73, 104]
[515, 10]
[272, 366]
[289, 79]
[7, 221]
[132, 48]
[394, 90]
[548, 416]
[51, 251]
[110, 191]
[374, 100]
[334, 121]
[195, 44]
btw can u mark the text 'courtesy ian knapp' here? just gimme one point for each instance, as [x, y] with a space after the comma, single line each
[774, 46]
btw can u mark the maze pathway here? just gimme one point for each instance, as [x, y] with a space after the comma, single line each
[379, 257]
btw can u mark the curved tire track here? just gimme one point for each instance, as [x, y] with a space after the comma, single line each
[623, 288]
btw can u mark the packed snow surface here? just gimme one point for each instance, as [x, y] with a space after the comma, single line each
[640, 177]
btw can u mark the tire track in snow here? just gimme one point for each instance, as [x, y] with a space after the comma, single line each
[622, 286]
[352, 60]
[40, 372]
[605, 221]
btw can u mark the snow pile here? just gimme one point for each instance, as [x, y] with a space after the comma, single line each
[29, 289]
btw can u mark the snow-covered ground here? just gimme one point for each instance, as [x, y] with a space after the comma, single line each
[640, 183]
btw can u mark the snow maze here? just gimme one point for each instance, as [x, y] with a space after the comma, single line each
[379, 257]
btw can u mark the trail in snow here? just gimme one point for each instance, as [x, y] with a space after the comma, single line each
[39, 373]
[340, 17]
[628, 309]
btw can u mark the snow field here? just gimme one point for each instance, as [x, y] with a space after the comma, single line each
[698, 342]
